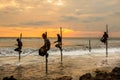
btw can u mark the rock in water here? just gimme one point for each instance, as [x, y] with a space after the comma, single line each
[101, 76]
[86, 76]
[116, 73]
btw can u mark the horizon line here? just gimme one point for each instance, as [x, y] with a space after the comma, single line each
[54, 37]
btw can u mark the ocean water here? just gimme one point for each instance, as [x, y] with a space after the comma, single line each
[71, 46]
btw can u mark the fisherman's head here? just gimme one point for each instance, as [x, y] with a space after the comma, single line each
[105, 32]
[18, 39]
[44, 36]
[58, 35]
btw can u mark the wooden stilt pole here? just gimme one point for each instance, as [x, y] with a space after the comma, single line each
[61, 45]
[19, 56]
[106, 48]
[20, 50]
[89, 45]
[46, 58]
[107, 41]
[46, 64]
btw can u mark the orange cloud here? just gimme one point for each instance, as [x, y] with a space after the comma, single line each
[32, 32]
[37, 32]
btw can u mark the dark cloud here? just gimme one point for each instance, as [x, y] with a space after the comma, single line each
[69, 19]
[116, 14]
[93, 19]
[84, 20]
[10, 11]
[36, 23]
[9, 25]
[30, 23]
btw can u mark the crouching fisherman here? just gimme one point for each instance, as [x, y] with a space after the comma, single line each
[43, 50]
[19, 44]
[104, 38]
[19, 48]
[59, 42]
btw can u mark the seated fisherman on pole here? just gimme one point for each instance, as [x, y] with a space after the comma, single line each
[59, 42]
[43, 50]
[104, 37]
[19, 45]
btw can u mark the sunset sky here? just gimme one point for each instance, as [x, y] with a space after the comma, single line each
[78, 18]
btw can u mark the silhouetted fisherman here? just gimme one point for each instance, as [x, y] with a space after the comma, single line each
[19, 45]
[59, 42]
[104, 37]
[43, 50]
